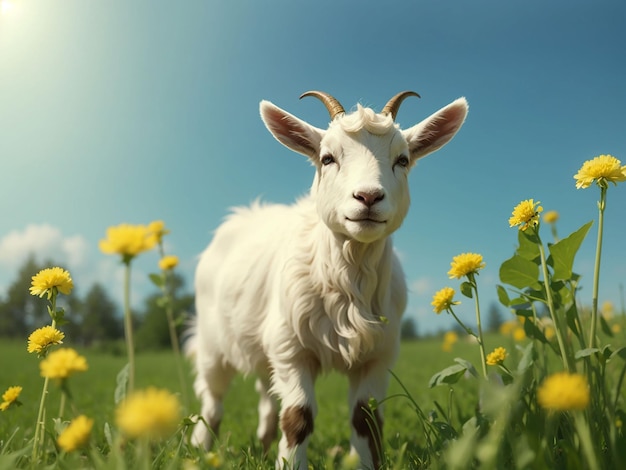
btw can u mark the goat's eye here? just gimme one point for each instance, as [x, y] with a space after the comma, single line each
[403, 161]
[328, 159]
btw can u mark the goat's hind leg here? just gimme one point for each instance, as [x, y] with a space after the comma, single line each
[210, 386]
[268, 414]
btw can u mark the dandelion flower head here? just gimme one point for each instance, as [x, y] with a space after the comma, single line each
[465, 264]
[168, 262]
[127, 240]
[158, 230]
[602, 169]
[47, 279]
[564, 391]
[526, 214]
[449, 338]
[41, 339]
[496, 357]
[443, 299]
[76, 434]
[551, 217]
[10, 397]
[152, 413]
[62, 363]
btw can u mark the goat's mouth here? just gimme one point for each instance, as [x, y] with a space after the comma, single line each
[366, 220]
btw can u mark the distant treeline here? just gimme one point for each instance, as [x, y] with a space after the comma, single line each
[92, 320]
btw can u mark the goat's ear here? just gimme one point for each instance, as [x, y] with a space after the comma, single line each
[290, 131]
[437, 130]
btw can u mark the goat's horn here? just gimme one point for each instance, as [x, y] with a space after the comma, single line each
[394, 103]
[332, 105]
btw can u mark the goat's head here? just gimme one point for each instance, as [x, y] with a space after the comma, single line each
[363, 160]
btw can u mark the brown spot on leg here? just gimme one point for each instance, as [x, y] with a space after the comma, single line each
[296, 423]
[368, 424]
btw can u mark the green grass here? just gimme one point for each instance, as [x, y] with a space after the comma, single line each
[93, 395]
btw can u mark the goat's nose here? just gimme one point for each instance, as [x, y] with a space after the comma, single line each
[369, 198]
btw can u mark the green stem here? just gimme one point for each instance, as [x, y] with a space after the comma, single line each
[481, 343]
[585, 440]
[596, 270]
[128, 330]
[558, 326]
[40, 425]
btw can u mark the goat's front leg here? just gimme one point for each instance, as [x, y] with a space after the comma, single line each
[294, 384]
[366, 383]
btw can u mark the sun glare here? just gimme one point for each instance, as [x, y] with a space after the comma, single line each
[6, 6]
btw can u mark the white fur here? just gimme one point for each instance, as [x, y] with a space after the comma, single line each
[289, 291]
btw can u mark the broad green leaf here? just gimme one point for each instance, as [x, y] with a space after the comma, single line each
[449, 375]
[466, 289]
[528, 246]
[503, 296]
[468, 365]
[564, 251]
[519, 272]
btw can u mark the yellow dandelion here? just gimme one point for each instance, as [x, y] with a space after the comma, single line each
[616, 328]
[128, 240]
[76, 434]
[519, 334]
[151, 413]
[465, 264]
[496, 357]
[526, 214]
[62, 363]
[168, 262]
[449, 339]
[551, 217]
[442, 300]
[10, 397]
[549, 332]
[213, 460]
[564, 391]
[41, 339]
[507, 327]
[603, 169]
[158, 230]
[46, 280]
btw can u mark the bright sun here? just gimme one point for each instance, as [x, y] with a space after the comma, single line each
[5, 6]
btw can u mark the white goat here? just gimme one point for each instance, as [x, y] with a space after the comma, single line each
[288, 292]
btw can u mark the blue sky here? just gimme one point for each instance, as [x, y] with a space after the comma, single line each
[120, 111]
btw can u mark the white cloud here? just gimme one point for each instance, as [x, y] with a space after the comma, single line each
[44, 242]
[421, 286]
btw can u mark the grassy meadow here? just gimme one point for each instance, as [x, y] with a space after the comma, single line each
[93, 394]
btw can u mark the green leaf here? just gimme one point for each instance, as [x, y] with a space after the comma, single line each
[157, 279]
[450, 375]
[466, 289]
[621, 353]
[571, 316]
[519, 272]
[503, 296]
[528, 358]
[585, 352]
[564, 251]
[122, 382]
[528, 245]
[605, 326]
[468, 366]
[532, 331]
